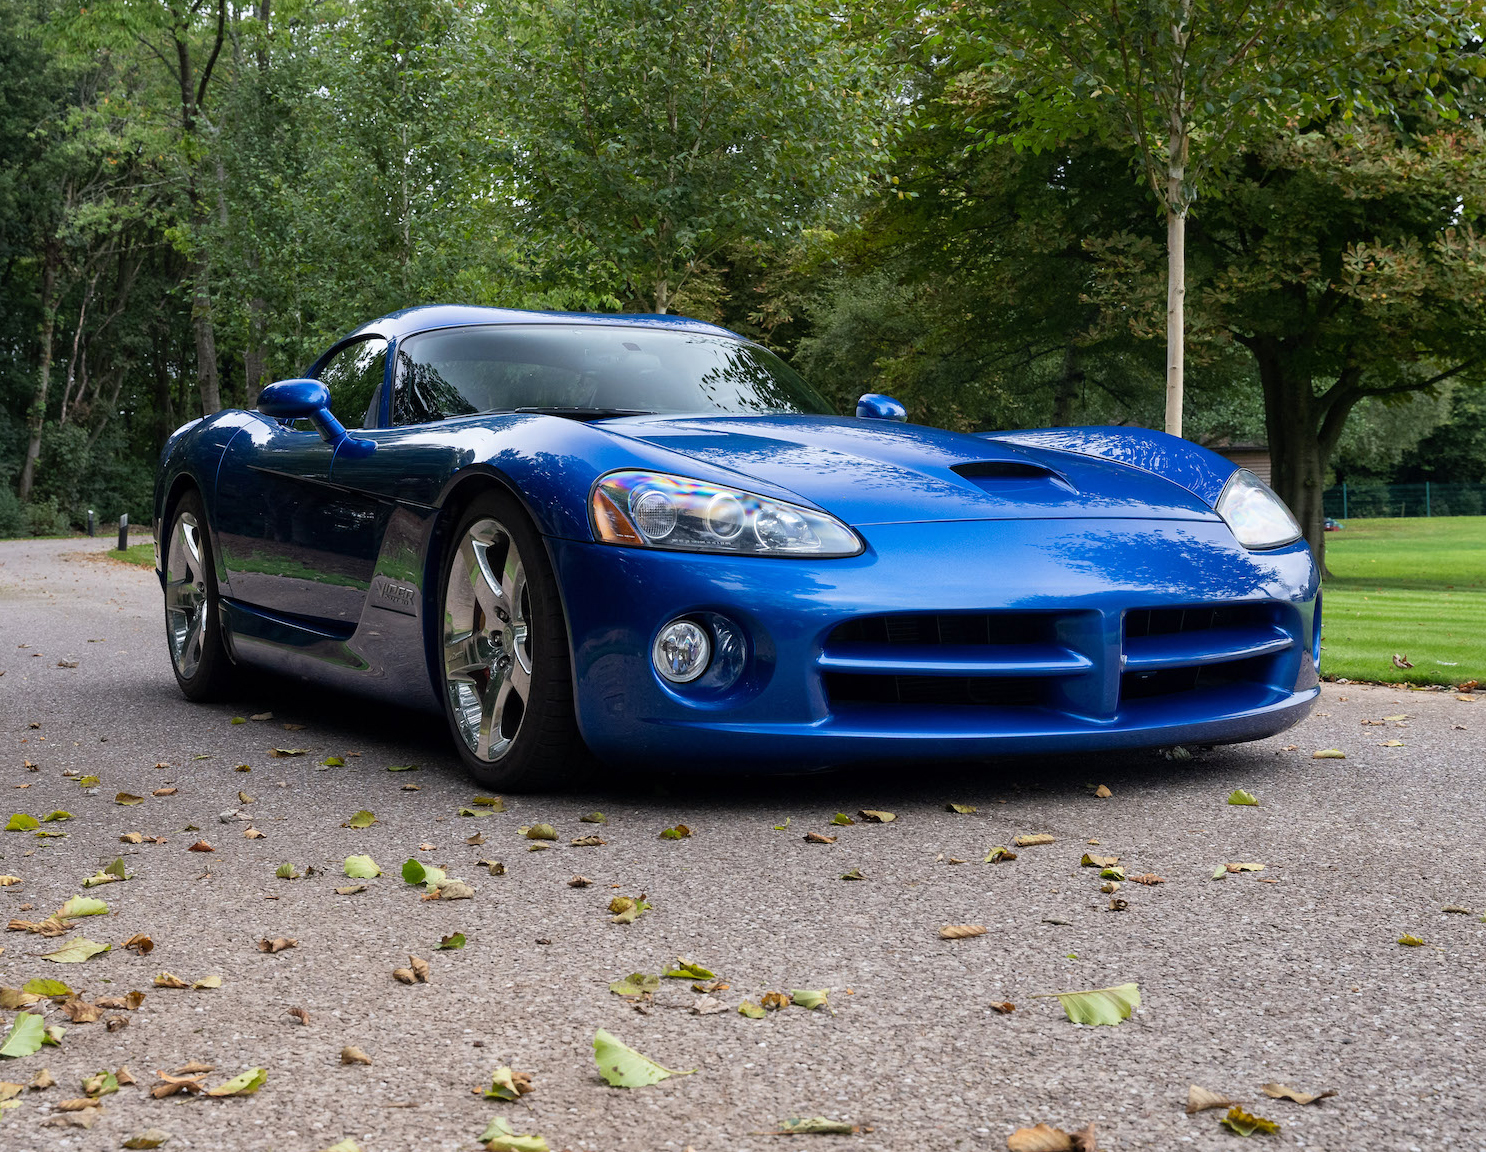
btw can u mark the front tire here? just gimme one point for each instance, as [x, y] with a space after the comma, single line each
[507, 674]
[193, 617]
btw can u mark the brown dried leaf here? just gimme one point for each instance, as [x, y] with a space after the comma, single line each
[419, 967]
[77, 1104]
[1200, 1099]
[1003, 1006]
[588, 842]
[1102, 792]
[164, 792]
[1045, 1138]
[131, 838]
[351, 1054]
[874, 816]
[580, 882]
[1282, 1092]
[277, 944]
[961, 931]
[301, 1015]
[139, 944]
[43, 1080]
[201, 846]
[1091, 861]
[817, 838]
[80, 1011]
[170, 980]
[1031, 841]
[477, 839]
[170, 1085]
[404, 976]
[1146, 878]
[115, 1023]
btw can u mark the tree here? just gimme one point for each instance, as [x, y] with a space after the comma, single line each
[1184, 83]
[1349, 261]
[645, 138]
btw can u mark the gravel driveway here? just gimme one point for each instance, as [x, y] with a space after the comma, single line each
[1293, 974]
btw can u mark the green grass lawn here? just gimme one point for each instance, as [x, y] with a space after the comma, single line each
[1415, 587]
[141, 554]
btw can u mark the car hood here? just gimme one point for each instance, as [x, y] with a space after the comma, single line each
[877, 472]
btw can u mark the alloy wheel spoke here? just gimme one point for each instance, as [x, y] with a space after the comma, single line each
[465, 654]
[497, 696]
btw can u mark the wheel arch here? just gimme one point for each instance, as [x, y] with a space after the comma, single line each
[462, 490]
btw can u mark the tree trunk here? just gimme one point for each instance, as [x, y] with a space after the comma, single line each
[255, 355]
[1176, 294]
[1298, 455]
[206, 338]
[1065, 388]
[662, 296]
[36, 414]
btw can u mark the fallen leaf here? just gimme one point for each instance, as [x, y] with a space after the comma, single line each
[1239, 796]
[873, 816]
[680, 832]
[201, 846]
[128, 799]
[452, 942]
[21, 822]
[402, 767]
[494, 803]
[588, 842]
[1033, 840]
[961, 809]
[751, 1010]
[476, 840]
[774, 1001]
[170, 980]
[1045, 1138]
[1098, 1005]
[810, 998]
[101, 1084]
[1401, 661]
[139, 944]
[961, 931]
[420, 968]
[580, 882]
[1411, 941]
[404, 975]
[1102, 792]
[81, 906]
[842, 819]
[1199, 1099]
[149, 1138]
[169, 1085]
[244, 1084]
[7, 881]
[1323, 754]
[813, 1126]
[1456, 908]
[362, 819]
[708, 1005]
[685, 970]
[76, 951]
[1089, 861]
[416, 872]
[1246, 1124]
[455, 890]
[506, 1084]
[25, 1038]
[636, 984]
[351, 1054]
[622, 1067]
[301, 1015]
[854, 874]
[538, 832]
[361, 868]
[287, 872]
[999, 855]
[206, 983]
[252, 834]
[499, 1136]
[350, 890]
[495, 867]
[277, 944]
[164, 792]
[1146, 878]
[1282, 1092]
[1243, 867]
[1112, 874]
[1003, 1006]
[280, 753]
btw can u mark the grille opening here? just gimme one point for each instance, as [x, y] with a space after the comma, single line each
[934, 691]
[1173, 681]
[1170, 621]
[948, 628]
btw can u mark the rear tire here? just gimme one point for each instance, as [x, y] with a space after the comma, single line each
[503, 652]
[193, 615]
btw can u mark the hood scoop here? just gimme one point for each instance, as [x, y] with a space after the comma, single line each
[1012, 477]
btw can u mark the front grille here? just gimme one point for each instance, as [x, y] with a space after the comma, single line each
[1062, 661]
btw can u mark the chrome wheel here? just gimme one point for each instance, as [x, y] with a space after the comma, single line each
[487, 640]
[185, 596]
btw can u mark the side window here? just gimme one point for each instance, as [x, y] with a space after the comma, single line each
[354, 378]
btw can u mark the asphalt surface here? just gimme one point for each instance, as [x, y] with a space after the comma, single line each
[1243, 981]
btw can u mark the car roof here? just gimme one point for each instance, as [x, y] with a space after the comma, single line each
[398, 324]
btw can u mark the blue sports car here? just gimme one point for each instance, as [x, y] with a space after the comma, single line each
[647, 537]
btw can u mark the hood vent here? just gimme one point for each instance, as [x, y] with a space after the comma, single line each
[1010, 475]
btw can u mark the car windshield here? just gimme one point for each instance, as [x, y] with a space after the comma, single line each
[590, 371]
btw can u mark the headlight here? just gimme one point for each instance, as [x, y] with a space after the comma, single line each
[1257, 516]
[656, 510]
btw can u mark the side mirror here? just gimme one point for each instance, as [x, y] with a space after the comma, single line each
[876, 406]
[310, 400]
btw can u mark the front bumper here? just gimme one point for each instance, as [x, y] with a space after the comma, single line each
[951, 641]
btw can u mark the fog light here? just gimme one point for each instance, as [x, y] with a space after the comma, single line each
[681, 651]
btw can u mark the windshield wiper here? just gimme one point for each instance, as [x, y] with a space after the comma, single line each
[583, 412]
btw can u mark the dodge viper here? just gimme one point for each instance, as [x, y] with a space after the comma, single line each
[647, 538]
